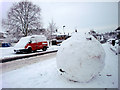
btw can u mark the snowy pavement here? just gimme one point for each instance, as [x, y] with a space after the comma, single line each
[45, 75]
[6, 52]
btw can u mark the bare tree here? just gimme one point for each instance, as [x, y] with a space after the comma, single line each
[23, 17]
[52, 28]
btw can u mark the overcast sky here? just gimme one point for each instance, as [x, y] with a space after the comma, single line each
[100, 16]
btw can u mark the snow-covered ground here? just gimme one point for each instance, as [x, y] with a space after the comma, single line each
[6, 52]
[45, 75]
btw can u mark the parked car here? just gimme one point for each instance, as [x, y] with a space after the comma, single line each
[31, 43]
[5, 44]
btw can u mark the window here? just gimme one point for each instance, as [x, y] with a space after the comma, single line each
[33, 40]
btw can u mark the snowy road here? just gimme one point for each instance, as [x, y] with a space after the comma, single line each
[44, 74]
[13, 65]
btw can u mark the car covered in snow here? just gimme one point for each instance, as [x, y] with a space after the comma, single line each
[31, 43]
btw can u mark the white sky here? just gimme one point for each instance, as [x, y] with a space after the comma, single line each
[100, 16]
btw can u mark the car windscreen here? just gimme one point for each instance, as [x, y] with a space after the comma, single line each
[22, 42]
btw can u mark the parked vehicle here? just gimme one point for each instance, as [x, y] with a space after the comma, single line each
[31, 43]
[59, 39]
[5, 44]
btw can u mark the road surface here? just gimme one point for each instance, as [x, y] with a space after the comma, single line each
[13, 65]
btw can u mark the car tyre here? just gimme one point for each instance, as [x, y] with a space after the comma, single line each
[35, 51]
[29, 50]
[44, 48]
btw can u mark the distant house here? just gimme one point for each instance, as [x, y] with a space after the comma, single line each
[96, 35]
[2, 36]
[118, 32]
[118, 29]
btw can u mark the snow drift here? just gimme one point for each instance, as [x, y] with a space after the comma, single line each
[80, 58]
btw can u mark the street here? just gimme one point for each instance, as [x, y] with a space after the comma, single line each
[13, 65]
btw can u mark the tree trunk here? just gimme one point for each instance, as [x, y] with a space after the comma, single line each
[26, 32]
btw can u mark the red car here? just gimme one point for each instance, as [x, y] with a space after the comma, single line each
[31, 43]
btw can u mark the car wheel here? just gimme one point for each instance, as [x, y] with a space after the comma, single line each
[29, 50]
[35, 51]
[44, 48]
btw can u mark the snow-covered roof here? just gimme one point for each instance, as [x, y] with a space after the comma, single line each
[59, 33]
[1, 31]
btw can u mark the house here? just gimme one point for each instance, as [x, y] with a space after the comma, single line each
[2, 37]
[96, 35]
[118, 32]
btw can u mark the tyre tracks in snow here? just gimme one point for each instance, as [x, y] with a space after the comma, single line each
[4, 60]
[21, 62]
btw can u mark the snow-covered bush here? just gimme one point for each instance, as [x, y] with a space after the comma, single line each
[80, 58]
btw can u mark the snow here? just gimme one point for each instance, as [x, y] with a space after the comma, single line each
[22, 43]
[58, 33]
[1, 31]
[40, 38]
[80, 58]
[115, 47]
[45, 75]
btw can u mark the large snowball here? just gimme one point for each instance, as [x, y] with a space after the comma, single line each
[80, 58]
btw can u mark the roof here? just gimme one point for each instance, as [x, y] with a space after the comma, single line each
[1, 31]
[118, 28]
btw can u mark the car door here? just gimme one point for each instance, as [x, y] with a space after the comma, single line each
[33, 43]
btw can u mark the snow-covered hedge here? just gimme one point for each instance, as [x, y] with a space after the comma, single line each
[80, 58]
